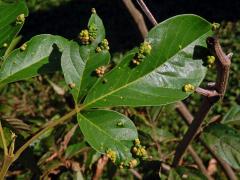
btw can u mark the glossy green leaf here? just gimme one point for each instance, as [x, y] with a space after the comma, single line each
[225, 141]
[105, 130]
[232, 116]
[42, 55]
[79, 70]
[159, 79]
[8, 28]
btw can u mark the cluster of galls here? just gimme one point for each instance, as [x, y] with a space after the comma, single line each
[188, 88]
[20, 19]
[112, 155]
[210, 61]
[144, 50]
[138, 150]
[215, 26]
[87, 36]
[130, 164]
[104, 45]
[100, 71]
[23, 47]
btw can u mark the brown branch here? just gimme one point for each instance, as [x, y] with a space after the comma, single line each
[223, 65]
[147, 12]
[137, 16]
[199, 162]
[215, 47]
[188, 117]
[100, 167]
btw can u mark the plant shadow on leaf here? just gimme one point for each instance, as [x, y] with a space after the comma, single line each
[54, 61]
[200, 52]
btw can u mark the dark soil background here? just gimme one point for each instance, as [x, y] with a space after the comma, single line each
[68, 19]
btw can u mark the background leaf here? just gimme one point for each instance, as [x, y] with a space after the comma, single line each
[190, 173]
[8, 15]
[232, 116]
[173, 175]
[225, 142]
[41, 56]
[159, 79]
[100, 129]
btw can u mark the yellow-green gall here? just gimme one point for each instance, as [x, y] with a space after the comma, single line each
[92, 32]
[137, 142]
[112, 155]
[98, 49]
[120, 124]
[5, 45]
[141, 152]
[145, 48]
[93, 10]
[72, 85]
[134, 150]
[23, 47]
[20, 19]
[188, 88]
[104, 45]
[121, 166]
[135, 61]
[132, 163]
[84, 37]
[211, 59]
[215, 26]
[100, 71]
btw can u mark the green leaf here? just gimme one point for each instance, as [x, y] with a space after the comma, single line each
[173, 175]
[42, 55]
[159, 79]
[190, 173]
[79, 62]
[232, 116]
[108, 130]
[74, 149]
[96, 21]
[79, 70]
[225, 141]
[8, 28]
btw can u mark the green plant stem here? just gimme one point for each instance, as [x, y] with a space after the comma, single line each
[3, 140]
[12, 46]
[8, 160]
[48, 126]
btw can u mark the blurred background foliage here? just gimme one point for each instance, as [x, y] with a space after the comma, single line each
[40, 99]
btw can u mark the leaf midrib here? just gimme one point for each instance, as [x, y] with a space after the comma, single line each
[104, 132]
[126, 85]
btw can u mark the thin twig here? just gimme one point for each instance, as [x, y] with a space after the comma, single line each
[3, 140]
[101, 163]
[199, 162]
[147, 12]
[188, 117]
[135, 173]
[137, 16]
